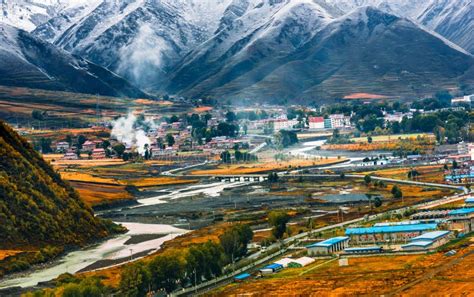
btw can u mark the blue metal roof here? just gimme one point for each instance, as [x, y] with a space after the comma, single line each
[431, 235]
[391, 229]
[418, 243]
[462, 211]
[367, 248]
[329, 242]
[273, 266]
[469, 200]
[242, 276]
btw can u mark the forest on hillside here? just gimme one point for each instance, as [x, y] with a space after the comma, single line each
[38, 208]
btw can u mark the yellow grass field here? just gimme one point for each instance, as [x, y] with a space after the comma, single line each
[383, 138]
[265, 166]
[93, 194]
[159, 181]
[85, 177]
[56, 160]
[369, 276]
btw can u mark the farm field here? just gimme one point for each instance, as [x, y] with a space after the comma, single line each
[261, 167]
[428, 173]
[383, 138]
[366, 276]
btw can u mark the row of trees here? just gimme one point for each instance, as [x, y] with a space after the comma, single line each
[200, 262]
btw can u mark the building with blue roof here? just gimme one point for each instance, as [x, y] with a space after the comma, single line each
[462, 211]
[364, 250]
[241, 277]
[274, 267]
[469, 201]
[426, 241]
[391, 233]
[462, 219]
[328, 246]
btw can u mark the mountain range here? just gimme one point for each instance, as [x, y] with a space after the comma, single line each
[266, 49]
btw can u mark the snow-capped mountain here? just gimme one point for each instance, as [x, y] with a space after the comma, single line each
[364, 51]
[26, 61]
[198, 46]
[139, 39]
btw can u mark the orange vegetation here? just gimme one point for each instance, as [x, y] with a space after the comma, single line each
[202, 109]
[408, 144]
[86, 163]
[7, 253]
[266, 166]
[159, 181]
[364, 96]
[429, 173]
[85, 177]
[93, 194]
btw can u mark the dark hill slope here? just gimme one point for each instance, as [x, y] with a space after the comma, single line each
[37, 207]
[26, 61]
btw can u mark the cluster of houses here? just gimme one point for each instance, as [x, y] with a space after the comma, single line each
[91, 147]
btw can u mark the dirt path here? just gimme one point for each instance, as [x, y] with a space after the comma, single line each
[430, 274]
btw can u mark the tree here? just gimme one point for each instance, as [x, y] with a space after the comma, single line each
[455, 165]
[119, 149]
[396, 192]
[278, 220]
[170, 139]
[273, 177]
[234, 241]
[38, 114]
[413, 173]
[80, 141]
[367, 179]
[369, 139]
[166, 271]
[230, 117]
[45, 144]
[377, 202]
[134, 280]
[226, 157]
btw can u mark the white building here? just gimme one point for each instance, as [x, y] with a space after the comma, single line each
[316, 123]
[282, 124]
[339, 121]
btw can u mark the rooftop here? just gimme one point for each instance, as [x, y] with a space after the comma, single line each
[329, 242]
[366, 248]
[462, 211]
[431, 235]
[391, 229]
[469, 200]
[418, 243]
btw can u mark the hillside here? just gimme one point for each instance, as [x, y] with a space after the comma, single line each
[26, 61]
[366, 51]
[37, 208]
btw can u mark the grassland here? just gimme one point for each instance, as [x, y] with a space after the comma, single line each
[428, 173]
[384, 138]
[266, 166]
[371, 276]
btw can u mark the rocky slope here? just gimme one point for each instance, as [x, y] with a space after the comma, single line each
[27, 61]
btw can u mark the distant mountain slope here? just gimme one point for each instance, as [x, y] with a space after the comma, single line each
[138, 39]
[365, 51]
[451, 19]
[36, 206]
[26, 61]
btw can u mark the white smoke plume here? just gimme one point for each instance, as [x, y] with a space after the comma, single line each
[130, 131]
